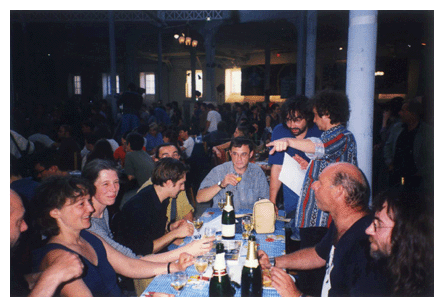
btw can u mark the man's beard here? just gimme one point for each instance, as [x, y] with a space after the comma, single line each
[297, 131]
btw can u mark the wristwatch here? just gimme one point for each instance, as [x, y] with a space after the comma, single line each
[220, 185]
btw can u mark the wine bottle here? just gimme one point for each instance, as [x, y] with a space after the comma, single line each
[228, 219]
[220, 284]
[251, 280]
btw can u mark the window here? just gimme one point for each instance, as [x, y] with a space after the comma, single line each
[77, 85]
[199, 83]
[148, 82]
[233, 80]
[106, 84]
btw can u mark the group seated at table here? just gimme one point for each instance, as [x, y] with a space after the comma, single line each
[65, 206]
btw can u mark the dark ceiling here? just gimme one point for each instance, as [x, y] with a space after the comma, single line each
[395, 28]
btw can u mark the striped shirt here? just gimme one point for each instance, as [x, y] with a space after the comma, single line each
[335, 145]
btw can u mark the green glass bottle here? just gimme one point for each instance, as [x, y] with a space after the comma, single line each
[228, 218]
[251, 281]
[220, 281]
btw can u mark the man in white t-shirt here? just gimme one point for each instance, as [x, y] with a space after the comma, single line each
[188, 142]
[213, 118]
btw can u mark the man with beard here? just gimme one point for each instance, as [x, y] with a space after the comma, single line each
[298, 123]
[402, 234]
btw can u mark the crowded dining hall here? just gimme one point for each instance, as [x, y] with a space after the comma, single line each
[221, 153]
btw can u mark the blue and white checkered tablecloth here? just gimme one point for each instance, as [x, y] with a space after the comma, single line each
[201, 288]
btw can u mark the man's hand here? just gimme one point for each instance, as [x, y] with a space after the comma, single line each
[302, 162]
[182, 229]
[229, 179]
[65, 266]
[278, 145]
[264, 261]
[199, 247]
[283, 283]
[185, 260]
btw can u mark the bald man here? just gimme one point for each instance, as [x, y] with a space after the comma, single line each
[342, 190]
[63, 268]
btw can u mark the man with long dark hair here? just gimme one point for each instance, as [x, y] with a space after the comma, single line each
[402, 232]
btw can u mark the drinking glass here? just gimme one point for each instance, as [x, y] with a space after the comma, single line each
[209, 232]
[238, 178]
[247, 224]
[221, 204]
[198, 223]
[201, 265]
[178, 281]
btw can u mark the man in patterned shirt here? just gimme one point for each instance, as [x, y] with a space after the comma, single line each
[337, 144]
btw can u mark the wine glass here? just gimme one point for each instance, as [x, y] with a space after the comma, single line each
[238, 178]
[198, 223]
[221, 204]
[247, 223]
[201, 265]
[178, 281]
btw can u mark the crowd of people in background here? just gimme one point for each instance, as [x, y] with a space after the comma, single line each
[151, 154]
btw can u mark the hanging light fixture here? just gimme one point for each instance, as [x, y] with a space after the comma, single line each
[187, 40]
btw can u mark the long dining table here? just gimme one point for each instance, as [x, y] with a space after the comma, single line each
[272, 243]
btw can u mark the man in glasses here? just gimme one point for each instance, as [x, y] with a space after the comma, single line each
[342, 191]
[247, 181]
[402, 234]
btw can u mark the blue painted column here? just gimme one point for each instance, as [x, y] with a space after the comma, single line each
[310, 61]
[300, 56]
[112, 55]
[360, 83]
[158, 78]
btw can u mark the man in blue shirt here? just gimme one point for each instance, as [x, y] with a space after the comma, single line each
[246, 180]
[298, 123]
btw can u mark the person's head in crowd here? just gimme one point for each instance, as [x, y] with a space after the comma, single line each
[394, 106]
[102, 150]
[170, 173]
[103, 131]
[183, 132]
[16, 218]
[211, 106]
[330, 108]
[87, 127]
[134, 141]
[402, 233]
[65, 131]
[411, 111]
[154, 129]
[167, 150]
[342, 187]
[104, 175]
[143, 129]
[90, 140]
[297, 115]
[170, 136]
[275, 109]
[57, 194]
[241, 131]
[241, 151]
[131, 87]
[46, 164]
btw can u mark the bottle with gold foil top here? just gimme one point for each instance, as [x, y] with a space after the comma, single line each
[251, 281]
[220, 285]
[228, 218]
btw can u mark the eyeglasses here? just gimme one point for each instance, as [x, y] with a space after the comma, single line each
[375, 226]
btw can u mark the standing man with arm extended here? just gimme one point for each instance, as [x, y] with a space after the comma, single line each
[297, 123]
[331, 113]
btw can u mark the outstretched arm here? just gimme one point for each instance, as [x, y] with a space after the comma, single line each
[303, 145]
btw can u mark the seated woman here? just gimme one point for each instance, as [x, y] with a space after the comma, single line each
[65, 213]
[103, 175]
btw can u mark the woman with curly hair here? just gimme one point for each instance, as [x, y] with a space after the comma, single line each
[402, 232]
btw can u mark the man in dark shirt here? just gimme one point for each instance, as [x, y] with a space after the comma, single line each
[144, 226]
[342, 190]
